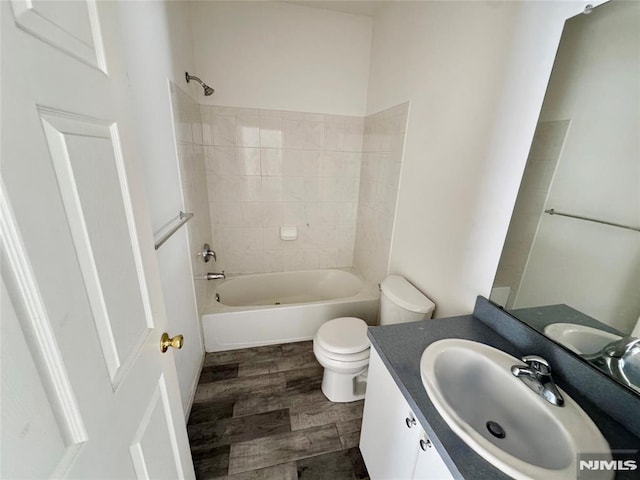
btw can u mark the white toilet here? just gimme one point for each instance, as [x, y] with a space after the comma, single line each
[341, 345]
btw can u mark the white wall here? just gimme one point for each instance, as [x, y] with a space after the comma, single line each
[592, 267]
[279, 56]
[475, 74]
[159, 49]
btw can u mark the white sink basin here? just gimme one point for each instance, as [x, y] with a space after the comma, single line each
[472, 387]
[579, 338]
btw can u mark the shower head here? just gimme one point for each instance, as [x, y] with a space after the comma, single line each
[207, 89]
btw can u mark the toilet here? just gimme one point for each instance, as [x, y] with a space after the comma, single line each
[341, 345]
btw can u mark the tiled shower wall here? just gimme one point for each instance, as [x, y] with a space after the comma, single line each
[269, 168]
[188, 127]
[384, 136]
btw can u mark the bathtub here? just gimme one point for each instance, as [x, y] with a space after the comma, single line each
[269, 308]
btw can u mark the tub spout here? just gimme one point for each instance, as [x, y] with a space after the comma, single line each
[212, 276]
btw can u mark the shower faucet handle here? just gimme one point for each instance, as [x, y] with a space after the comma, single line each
[207, 254]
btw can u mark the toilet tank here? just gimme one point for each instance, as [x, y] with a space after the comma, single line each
[401, 302]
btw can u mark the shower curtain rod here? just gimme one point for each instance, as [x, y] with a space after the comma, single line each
[551, 211]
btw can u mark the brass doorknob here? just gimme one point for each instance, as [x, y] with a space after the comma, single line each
[166, 342]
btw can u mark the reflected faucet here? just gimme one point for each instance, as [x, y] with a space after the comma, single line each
[614, 355]
[537, 376]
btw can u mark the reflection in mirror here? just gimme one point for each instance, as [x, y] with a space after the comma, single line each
[576, 277]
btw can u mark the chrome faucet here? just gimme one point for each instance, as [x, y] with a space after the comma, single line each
[537, 376]
[212, 276]
[614, 355]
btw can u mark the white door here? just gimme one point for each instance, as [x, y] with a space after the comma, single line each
[86, 392]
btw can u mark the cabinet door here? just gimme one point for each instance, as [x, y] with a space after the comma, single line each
[388, 442]
[429, 464]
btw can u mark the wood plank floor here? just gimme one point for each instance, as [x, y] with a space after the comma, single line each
[259, 414]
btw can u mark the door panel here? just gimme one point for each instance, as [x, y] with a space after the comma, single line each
[88, 163]
[156, 423]
[71, 26]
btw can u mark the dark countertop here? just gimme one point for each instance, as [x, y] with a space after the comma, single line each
[400, 346]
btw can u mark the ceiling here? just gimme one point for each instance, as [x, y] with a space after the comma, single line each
[369, 8]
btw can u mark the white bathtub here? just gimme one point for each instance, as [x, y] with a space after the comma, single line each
[270, 308]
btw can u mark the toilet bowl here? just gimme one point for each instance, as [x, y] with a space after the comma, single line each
[341, 345]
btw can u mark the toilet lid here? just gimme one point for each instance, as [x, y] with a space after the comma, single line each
[343, 335]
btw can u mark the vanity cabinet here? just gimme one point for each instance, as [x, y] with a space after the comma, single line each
[393, 444]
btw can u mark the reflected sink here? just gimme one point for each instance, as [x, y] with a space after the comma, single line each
[503, 420]
[581, 339]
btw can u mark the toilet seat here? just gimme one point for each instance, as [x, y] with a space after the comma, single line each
[349, 358]
[343, 337]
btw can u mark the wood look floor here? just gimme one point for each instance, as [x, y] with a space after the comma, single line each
[259, 414]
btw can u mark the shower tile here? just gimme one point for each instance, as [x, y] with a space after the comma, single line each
[333, 136]
[292, 213]
[327, 257]
[293, 133]
[271, 189]
[293, 189]
[206, 116]
[248, 130]
[226, 159]
[353, 134]
[311, 163]
[229, 214]
[271, 132]
[271, 162]
[271, 238]
[250, 189]
[329, 189]
[312, 189]
[253, 263]
[251, 240]
[273, 260]
[251, 214]
[223, 128]
[313, 135]
[348, 189]
[248, 162]
[347, 213]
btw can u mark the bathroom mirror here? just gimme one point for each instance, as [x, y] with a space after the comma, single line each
[570, 266]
